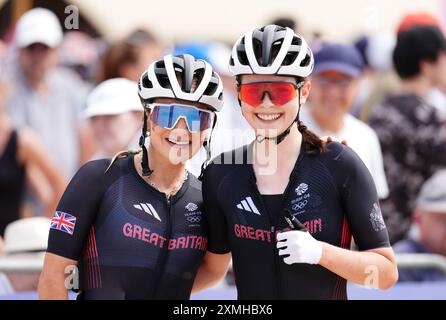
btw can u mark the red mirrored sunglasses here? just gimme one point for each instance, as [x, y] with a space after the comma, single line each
[279, 92]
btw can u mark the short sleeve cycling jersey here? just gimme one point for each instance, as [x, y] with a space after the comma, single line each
[332, 194]
[129, 240]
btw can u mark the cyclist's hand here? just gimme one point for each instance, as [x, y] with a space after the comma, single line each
[299, 247]
[328, 139]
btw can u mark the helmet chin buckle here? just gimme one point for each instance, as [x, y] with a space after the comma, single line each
[260, 138]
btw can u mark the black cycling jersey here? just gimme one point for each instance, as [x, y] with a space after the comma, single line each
[332, 194]
[131, 243]
[273, 204]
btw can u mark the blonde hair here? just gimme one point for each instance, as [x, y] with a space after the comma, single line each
[123, 154]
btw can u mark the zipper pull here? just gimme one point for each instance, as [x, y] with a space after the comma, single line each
[273, 233]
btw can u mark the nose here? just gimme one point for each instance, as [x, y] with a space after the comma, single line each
[266, 101]
[181, 124]
[333, 91]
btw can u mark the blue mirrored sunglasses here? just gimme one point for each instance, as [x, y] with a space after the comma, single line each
[168, 115]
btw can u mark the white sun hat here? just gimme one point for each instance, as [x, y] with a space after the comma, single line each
[38, 25]
[27, 235]
[114, 96]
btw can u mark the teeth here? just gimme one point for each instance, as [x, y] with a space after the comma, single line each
[268, 117]
[181, 143]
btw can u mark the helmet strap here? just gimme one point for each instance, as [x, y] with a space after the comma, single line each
[207, 147]
[278, 139]
[146, 171]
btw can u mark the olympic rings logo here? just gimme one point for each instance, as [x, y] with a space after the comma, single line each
[300, 205]
[194, 219]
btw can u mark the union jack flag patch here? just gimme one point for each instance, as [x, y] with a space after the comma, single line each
[64, 222]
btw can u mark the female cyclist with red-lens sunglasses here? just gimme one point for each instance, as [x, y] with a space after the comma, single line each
[289, 225]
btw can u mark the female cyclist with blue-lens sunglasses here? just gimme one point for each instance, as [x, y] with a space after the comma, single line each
[135, 227]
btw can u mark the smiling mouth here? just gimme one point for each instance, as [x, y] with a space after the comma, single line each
[268, 116]
[177, 143]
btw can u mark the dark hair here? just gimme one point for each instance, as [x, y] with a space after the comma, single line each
[123, 52]
[421, 43]
[312, 143]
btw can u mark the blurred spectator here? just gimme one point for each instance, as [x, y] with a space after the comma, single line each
[80, 53]
[412, 136]
[231, 130]
[334, 85]
[316, 41]
[20, 149]
[115, 113]
[2, 50]
[130, 57]
[437, 95]
[430, 229]
[415, 19]
[25, 242]
[286, 22]
[437, 98]
[46, 98]
[378, 79]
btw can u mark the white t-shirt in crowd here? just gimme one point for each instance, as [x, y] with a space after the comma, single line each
[362, 139]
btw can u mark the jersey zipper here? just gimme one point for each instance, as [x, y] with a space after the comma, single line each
[273, 229]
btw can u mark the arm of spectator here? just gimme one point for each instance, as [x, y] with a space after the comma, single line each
[38, 185]
[87, 145]
[52, 279]
[30, 153]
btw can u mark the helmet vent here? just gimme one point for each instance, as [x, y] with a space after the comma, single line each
[306, 61]
[146, 83]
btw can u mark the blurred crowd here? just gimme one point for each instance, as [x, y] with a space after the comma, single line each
[66, 98]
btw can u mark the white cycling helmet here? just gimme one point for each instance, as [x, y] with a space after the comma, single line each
[161, 81]
[272, 50]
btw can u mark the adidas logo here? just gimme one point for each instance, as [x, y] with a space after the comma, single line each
[148, 208]
[248, 205]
